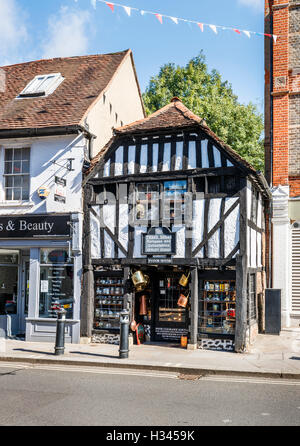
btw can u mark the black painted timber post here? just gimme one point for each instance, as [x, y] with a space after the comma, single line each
[194, 310]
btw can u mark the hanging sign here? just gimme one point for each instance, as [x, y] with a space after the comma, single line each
[159, 241]
[60, 190]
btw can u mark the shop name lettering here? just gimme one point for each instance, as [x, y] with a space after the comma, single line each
[23, 225]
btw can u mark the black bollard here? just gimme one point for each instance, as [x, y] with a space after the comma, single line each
[124, 334]
[60, 332]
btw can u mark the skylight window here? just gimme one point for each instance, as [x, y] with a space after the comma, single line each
[42, 85]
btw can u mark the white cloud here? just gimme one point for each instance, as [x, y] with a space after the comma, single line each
[258, 5]
[68, 33]
[13, 31]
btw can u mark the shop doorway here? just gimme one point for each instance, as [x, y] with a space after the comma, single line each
[156, 310]
[170, 319]
[14, 291]
[9, 292]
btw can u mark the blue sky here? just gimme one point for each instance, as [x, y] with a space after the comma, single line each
[33, 29]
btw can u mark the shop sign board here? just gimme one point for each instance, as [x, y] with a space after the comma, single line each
[60, 190]
[34, 226]
[158, 241]
[170, 333]
[159, 261]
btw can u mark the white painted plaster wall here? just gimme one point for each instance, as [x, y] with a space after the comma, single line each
[43, 151]
[120, 102]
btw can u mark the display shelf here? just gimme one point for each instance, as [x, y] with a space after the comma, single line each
[109, 292]
[217, 307]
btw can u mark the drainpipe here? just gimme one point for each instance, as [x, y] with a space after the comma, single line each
[271, 150]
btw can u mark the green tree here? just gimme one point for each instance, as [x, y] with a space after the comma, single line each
[205, 94]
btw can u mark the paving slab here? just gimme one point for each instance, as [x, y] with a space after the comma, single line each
[269, 356]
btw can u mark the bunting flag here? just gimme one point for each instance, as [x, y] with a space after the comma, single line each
[159, 17]
[176, 20]
[214, 28]
[128, 10]
[111, 5]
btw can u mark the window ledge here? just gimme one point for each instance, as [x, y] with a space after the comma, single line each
[13, 204]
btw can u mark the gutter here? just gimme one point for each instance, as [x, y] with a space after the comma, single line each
[264, 183]
[46, 131]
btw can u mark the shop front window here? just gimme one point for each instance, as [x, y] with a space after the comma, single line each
[56, 283]
[8, 282]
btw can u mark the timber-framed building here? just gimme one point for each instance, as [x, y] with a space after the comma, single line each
[174, 224]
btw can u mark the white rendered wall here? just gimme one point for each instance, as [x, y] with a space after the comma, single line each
[120, 102]
[281, 255]
[43, 171]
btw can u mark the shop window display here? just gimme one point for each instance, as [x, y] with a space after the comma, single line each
[56, 283]
[108, 302]
[217, 307]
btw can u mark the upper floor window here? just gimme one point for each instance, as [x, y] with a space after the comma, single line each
[16, 174]
[160, 201]
[42, 85]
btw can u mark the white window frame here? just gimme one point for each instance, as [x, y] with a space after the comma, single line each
[6, 175]
[42, 85]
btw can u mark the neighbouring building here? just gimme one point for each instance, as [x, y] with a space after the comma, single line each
[174, 224]
[55, 115]
[282, 150]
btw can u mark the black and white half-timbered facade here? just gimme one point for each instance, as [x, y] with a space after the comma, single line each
[174, 224]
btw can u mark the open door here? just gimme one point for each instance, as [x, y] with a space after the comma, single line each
[9, 291]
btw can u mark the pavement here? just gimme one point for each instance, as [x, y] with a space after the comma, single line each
[270, 356]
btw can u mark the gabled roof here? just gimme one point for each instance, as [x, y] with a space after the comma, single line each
[176, 115]
[85, 78]
[172, 117]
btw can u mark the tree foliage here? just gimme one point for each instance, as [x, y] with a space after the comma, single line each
[205, 94]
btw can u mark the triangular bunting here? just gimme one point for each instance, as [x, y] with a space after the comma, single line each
[111, 6]
[159, 17]
[128, 10]
[214, 28]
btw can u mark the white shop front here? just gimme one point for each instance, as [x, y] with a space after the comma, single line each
[40, 270]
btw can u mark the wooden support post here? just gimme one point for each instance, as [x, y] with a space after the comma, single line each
[241, 274]
[192, 345]
[87, 295]
[241, 303]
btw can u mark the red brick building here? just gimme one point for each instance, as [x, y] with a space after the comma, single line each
[282, 148]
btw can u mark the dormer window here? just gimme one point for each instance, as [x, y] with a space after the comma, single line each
[42, 85]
